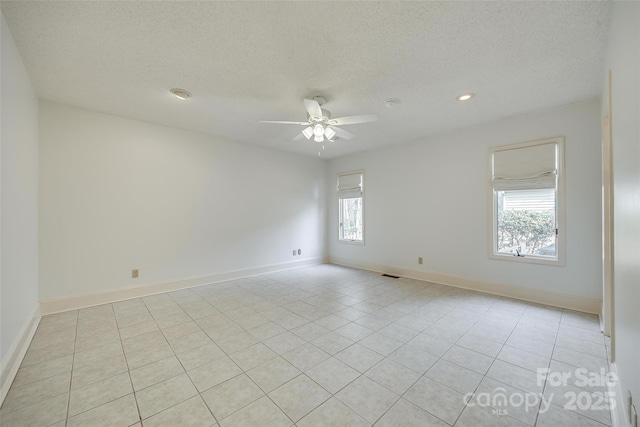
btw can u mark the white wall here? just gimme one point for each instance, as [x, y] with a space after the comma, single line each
[19, 202]
[430, 199]
[624, 63]
[118, 194]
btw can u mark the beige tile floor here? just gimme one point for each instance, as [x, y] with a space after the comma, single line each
[318, 346]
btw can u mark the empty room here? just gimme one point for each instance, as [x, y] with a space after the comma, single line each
[283, 213]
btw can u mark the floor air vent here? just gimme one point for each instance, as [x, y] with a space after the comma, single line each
[390, 275]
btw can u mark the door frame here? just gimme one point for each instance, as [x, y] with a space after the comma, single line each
[608, 305]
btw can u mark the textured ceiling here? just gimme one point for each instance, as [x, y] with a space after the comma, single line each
[250, 61]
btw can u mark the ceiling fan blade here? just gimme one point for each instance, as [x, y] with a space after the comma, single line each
[313, 108]
[352, 120]
[298, 137]
[343, 133]
[284, 123]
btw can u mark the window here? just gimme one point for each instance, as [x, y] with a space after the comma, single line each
[350, 207]
[527, 202]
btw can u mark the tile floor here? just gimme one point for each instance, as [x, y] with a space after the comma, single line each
[318, 346]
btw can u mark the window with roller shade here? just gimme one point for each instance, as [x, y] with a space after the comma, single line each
[350, 207]
[527, 201]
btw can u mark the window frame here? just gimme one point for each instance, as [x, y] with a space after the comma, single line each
[339, 199]
[492, 216]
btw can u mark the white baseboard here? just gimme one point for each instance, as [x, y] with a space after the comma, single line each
[619, 415]
[556, 299]
[11, 363]
[97, 298]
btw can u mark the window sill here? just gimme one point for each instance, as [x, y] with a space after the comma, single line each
[352, 242]
[528, 259]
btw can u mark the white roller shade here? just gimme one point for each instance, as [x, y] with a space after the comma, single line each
[350, 185]
[529, 200]
[532, 167]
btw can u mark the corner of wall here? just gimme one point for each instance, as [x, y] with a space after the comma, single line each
[11, 364]
[19, 210]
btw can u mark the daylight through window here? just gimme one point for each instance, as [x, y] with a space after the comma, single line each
[526, 200]
[350, 206]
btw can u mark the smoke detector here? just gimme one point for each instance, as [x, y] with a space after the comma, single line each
[391, 102]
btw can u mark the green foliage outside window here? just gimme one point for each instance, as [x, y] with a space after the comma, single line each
[528, 231]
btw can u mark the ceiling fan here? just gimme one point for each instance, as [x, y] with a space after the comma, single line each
[321, 126]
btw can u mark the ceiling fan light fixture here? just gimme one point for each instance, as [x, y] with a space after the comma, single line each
[308, 132]
[329, 133]
[321, 126]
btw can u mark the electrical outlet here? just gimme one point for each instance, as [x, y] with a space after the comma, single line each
[294, 252]
[299, 251]
[134, 273]
[419, 260]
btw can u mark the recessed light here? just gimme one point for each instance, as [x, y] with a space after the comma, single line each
[465, 96]
[180, 93]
